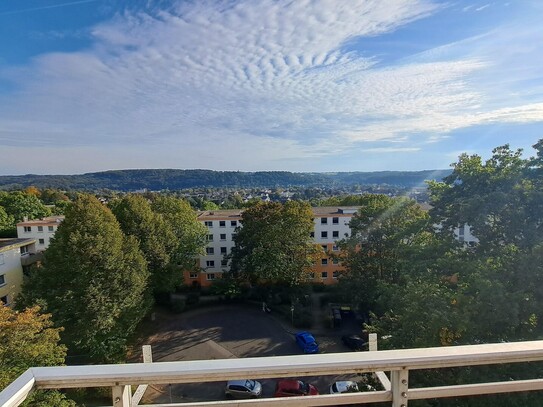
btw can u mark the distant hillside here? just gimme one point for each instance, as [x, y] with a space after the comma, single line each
[155, 180]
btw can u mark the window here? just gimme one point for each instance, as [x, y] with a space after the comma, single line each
[335, 221]
[461, 231]
[312, 275]
[223, 250]
[210, 276]
[335, 233]
[193, 275]
[312, 234]
[233, 223]
[335, 274]
[222, 223]
[4, 300]
[210, 263]
[2, 280]
[223, 236]
[24, 249]
[209, 238]
[41, 241]
[209, 223]
[224, 262]
[324, 262]
[335, 261]
[40, 228]
[324, 274]
[324, 234]
[233, 236]
[324, 221]
[335, 248]
[50, 228]
[28, 228]
[325, 247]
[210, 250]
[1, 258]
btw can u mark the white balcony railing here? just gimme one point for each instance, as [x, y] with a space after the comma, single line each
[397, 362]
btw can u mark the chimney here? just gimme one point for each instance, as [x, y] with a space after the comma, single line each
[25, 218]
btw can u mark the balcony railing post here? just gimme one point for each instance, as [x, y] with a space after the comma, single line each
[122, 396]
[399, 382]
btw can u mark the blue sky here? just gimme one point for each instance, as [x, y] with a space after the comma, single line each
[321, 85]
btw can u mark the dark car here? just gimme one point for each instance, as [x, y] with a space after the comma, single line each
[354, 342]
[307, 342]
[293, 388]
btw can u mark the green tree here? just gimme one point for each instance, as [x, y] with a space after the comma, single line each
[7, 224]
[93, 281]
[20, 205]
[274, 244]
[156, 240]
[385, 233]
[190, 233]
[28, 340]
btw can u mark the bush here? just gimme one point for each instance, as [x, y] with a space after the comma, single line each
[178, 305]
[192, 298]
[303, 318]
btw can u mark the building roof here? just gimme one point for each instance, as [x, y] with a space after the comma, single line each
[8, 244]
[335, 210]
[222, 214]
[48, 221]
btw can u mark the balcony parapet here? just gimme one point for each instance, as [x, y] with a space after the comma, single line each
[398, 362]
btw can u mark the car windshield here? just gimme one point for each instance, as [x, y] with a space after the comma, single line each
[334, 388]
[250, 384]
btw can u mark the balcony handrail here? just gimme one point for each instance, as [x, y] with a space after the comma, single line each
[399, 362]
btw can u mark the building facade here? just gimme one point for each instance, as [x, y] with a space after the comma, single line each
[42, 230]
[331, 225]
[15, 256]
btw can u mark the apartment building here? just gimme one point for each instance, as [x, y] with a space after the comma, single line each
[331, 225]
[15, 256]
[42, 230]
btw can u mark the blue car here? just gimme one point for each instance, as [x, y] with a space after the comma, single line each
[307, 342]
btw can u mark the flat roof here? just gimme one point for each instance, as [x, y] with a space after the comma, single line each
[225, 214]
[47, 221]
[8, 244]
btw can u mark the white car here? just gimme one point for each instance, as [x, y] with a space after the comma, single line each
[243, 389]
[346, 386]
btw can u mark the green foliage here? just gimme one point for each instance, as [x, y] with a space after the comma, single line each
[156, 238]
[190, 234]
[19, 204]
[28, 339]
[93, 282]
[7, 224]
[274, 244]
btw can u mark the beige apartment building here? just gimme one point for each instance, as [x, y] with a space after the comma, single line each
[15, 256]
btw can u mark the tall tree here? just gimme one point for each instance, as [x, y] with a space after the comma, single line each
[274, 243]
[28, 340]
[7, 224]
[19, 204]
[190, 233]
[156, 240]
[93, 281]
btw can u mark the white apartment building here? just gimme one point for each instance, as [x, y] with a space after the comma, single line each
[331, 225]
[42, 230]
[15, 255]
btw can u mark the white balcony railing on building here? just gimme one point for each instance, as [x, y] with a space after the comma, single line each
[398, 362]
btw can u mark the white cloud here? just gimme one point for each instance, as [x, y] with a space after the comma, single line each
[248, 84]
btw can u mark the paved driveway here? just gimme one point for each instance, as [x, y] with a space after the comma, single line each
[217, 333]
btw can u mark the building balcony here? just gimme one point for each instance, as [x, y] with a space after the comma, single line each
[397, 391]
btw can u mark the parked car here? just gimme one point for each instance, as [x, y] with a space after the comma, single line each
[243, 389]
[347, 386]
[292, 388]
[307, 342]
[354, 342]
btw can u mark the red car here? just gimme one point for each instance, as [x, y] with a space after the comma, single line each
[292, 388]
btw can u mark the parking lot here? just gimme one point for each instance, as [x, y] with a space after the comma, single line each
[225, 332]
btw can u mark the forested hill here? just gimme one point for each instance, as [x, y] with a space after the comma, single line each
[160, 179]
